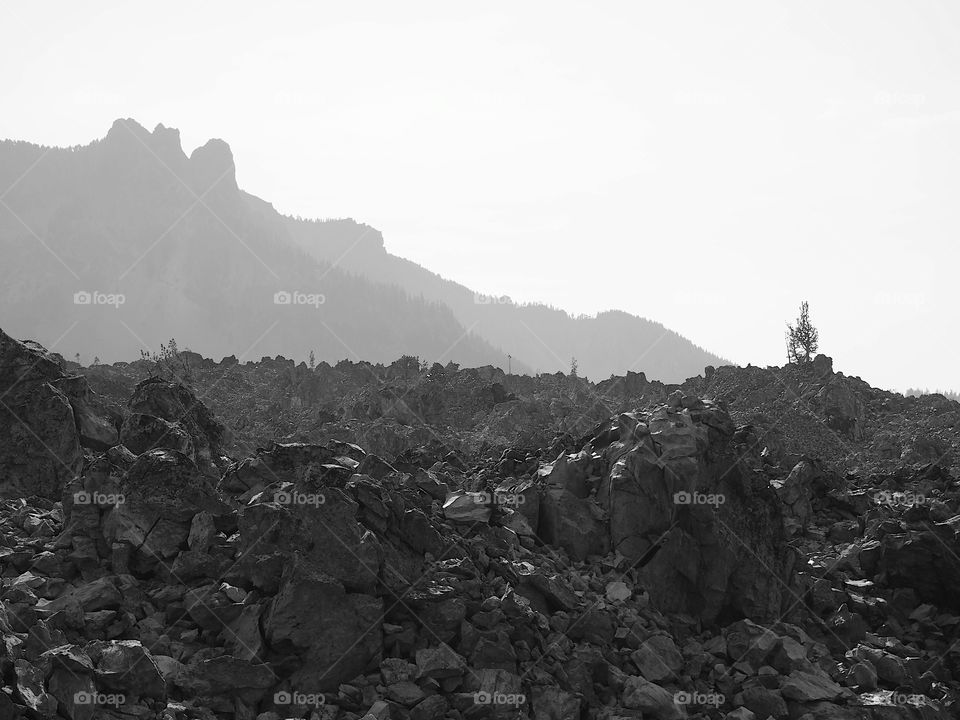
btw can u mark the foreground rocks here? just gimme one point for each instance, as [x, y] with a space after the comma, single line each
[661, 565]
[46, 420]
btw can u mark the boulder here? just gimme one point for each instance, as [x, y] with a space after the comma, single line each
[335, 633]
[321, 526]
[707, 532]
[125, 666]
[141, 432]
[578, 526]
[925, 561]
[41, 451]
[161, 493]
[651, 699]
[176, 403]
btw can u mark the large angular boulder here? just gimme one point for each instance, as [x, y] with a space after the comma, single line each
[141, 432]
[41, 444]
[176, 403]
[705, 530]
[303, 463]
[576, 525]
[925, 561]
[334, 633]
[842, 408]
[159, 496]
[46, 419]
[127, 667]
[321, 526]
[97, 420]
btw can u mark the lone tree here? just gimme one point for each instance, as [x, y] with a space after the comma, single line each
[802, 338]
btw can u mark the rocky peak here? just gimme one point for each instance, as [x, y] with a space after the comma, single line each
[211, 164]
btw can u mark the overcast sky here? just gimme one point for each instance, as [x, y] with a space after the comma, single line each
[707, 165]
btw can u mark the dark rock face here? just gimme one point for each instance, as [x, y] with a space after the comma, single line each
[161, 494]
[46, 419]
[334, 633]
[673, 499]
[178, 406]
[925, 561]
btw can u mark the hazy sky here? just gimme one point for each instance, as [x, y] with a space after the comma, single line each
[707, 165]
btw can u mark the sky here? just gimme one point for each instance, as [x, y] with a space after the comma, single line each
[706, 165]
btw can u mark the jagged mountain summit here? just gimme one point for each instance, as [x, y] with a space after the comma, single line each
[127, 241]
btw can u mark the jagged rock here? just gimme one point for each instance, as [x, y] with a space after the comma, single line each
[41, 452]
[568, 472]
[842, 408]
[439, 662]
[101, 594]
[405, 693]
[676, 496]
[321, 525]
[923, 560]
[30, 689]
[126, 666]
[433, 707]
[764, 702]
[578, 526]
[546, 593]
[225, 676]
[303, 464]
[334, 632]
[46, 418]
[796, 493]
[176, 403]
[141, 432]
[551, 703]
[651, 699]
[808, 687]
[658, 659]
[162, 492]
[97, 420]
[467, 508]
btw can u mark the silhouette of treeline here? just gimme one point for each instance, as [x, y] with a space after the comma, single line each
[917, 392]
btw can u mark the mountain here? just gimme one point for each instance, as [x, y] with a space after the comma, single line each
[126, 242]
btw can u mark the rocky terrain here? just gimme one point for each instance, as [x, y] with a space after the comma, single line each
[203, 539]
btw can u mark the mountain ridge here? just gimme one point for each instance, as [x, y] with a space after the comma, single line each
[195, 257]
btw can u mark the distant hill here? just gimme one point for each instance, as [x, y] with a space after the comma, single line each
[127, 242]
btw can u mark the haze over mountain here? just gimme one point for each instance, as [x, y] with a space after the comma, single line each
[119, 245]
